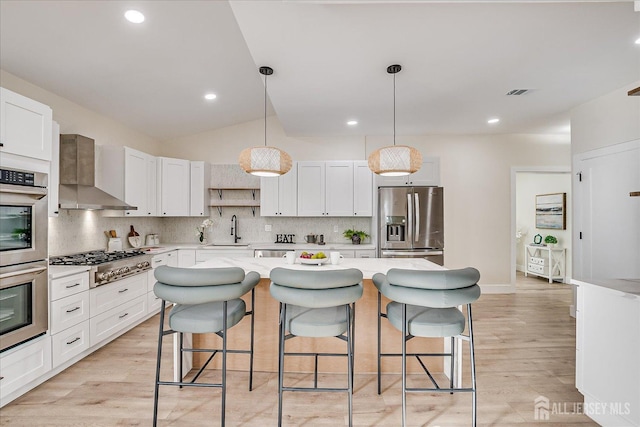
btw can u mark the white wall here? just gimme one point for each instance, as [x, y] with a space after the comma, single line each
[610, 119]
[528, 185]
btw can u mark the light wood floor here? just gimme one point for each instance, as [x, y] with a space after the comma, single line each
[525, 344]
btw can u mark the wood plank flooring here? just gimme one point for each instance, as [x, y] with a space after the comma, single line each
[525, 345]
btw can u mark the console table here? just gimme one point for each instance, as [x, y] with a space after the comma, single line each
[545, 261]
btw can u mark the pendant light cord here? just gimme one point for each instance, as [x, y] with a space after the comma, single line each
[394, 109]
[265, 110]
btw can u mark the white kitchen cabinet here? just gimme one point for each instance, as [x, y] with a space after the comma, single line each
[362, 189]
[174, 177]
[112, 295]
[325, 188]
[279, 195]
[24, 364]
[129, 175]
[69, 314]
[428, 174]
[607, 349]
[200, 176]
[366, 253]
[116, 319]
[25, 126]
[54, 171]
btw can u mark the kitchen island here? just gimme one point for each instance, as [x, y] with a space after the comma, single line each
[266, 322]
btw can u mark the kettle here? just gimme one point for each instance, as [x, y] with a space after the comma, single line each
[310, 238]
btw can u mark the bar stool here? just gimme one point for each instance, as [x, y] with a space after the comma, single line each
[207, 300]
[315, 303]
[424, 304]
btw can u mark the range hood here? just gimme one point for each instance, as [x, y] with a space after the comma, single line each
[77, 177]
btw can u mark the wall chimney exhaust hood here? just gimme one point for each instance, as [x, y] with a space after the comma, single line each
[77, 177]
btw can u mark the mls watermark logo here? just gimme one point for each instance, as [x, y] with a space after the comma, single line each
[541, 409]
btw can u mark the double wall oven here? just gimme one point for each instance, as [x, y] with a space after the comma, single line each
[23, 251]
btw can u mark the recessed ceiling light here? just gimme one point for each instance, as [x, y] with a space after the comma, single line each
[492, 121]
[210, 96]
[134, 16]
[352, 122]
[638, 41]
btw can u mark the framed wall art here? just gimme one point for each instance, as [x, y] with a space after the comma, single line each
[551, 211]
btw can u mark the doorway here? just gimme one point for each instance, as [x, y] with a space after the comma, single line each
[526, 184]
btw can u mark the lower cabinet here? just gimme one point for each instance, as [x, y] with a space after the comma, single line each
[108, 323]
[70, 343]
[23, 365]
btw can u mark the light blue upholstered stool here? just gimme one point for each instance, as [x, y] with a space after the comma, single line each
[316, 303]
[424, 304]
[207, 301]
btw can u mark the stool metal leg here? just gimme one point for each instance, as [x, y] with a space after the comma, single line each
[472, 357]
[379, 342]
[283, 316]
[253, 315]
[404, 364]
[157, 387]
[224, 361]
[181, 356]
[350, 363]
[453, 364]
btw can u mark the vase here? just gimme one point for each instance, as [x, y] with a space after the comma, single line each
[202, 239]
[355, 239]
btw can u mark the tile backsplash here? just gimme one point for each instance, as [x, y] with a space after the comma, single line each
[78, 231]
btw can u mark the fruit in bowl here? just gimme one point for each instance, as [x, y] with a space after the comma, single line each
[307, 255]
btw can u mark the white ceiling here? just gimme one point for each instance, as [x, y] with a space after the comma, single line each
[459, 60]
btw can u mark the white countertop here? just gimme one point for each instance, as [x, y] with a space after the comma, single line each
[368, 266]
[165, 247]
[628, 286]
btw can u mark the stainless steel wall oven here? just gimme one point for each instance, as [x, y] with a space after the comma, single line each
[23, 251]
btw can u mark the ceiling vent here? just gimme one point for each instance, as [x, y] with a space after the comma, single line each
[517, 92]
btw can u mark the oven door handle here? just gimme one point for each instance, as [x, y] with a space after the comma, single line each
[34, 270]
[36, 192]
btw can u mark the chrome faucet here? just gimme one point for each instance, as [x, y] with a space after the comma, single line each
[234, 229]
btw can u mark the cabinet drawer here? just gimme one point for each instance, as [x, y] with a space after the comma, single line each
[153, 303]
[536, 260]
[24, 365]
[116, 319]
[69, 311]
[70, 343]
[65, 286]
[535, 268]
[112, 295]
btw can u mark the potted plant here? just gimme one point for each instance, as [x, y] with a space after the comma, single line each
[551, 241]
[356, 236]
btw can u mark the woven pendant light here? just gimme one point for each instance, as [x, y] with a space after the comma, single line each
[265, 161]
[395, 160]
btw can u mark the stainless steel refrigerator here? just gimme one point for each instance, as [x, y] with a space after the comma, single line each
[411, 223]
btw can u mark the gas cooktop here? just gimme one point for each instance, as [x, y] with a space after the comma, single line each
[94, 257]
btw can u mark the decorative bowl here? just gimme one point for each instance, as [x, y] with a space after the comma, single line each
[313, 261]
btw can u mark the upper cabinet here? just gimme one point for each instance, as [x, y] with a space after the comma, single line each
[200, 174]
[278, 195]
[25, 126]
[129, 175]
[428, 174]
[334, 188]
[174, 177]
[362, 189]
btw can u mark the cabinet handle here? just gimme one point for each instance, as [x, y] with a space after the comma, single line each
[123, 290]
[123, 316]
[1, 378]
[73, 340]
[73, 309]
[72, 286]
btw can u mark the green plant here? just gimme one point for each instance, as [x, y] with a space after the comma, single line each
[550, 240]
[348, 234]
